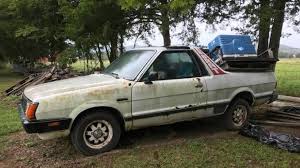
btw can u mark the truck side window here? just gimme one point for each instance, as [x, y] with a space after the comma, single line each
[173, 65]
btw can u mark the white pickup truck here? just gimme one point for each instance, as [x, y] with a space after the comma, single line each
[143, 87]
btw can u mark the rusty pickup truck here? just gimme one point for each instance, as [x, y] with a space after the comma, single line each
[142, 88]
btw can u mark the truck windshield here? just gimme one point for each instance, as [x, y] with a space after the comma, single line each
[129, 64]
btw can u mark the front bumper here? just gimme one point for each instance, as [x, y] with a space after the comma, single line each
[42, 126]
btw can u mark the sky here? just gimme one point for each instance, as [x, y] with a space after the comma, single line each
[207, 35]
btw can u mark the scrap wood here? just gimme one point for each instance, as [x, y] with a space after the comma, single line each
[285, 113]
[19, 85]
[289, 98]
[283, 120]
[287, 116]
[43, 77]
[38, 78]
[291, 109]
[283, 116]
[278, 123]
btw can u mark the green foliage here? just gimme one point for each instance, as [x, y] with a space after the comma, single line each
[168, 14]
[67, 57]
[94, 24]
[30, 29]
[293, 13]
[27, 31]
[182, 6]
[33, 28]
[164, 14]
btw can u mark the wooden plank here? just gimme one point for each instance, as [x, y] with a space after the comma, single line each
[268, 122]
[283, 115]
[283, 120]
[7, 91]
[20, 90]
[41, 78]
[31, 80]
[289, 98]
[19, 85]
[286, 113]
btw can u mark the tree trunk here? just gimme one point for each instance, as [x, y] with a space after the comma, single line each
[99, 55]
[279, 9]
[165, 26]
[264, 26]
[114, 47]
[121, 44]
[87, 63]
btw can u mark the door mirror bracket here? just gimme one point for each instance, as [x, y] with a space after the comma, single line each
[152, 77]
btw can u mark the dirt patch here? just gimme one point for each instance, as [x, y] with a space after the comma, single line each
[25, 150]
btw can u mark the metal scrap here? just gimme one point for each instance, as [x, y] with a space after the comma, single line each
[34, 79]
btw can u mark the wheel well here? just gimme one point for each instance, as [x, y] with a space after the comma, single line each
[246, 96]
[113, 111]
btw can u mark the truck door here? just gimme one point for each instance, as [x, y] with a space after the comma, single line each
[172, 89]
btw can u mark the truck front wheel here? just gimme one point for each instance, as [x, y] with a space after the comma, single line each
[96, 133]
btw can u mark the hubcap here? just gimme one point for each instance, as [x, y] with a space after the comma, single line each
[97, 134]
[239, 115]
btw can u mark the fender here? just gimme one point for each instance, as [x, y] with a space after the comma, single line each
[240, 90]
[99, 103]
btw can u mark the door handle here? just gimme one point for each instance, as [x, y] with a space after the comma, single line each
[199, 83]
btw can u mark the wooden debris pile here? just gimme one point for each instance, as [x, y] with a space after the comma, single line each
[52, 74]
[286, 116]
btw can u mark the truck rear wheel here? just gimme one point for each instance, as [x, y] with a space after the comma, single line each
[96, 133]
[237, 114]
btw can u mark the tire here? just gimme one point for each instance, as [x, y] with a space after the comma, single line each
[90, 138]
[237, 114]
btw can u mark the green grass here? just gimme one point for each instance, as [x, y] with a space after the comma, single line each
[288, 77]
[9, 121]
[79, 65]
[232, 151]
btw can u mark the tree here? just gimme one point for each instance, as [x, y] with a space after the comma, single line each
[293, 13]
[67, 57]
[163, 13]
[264, 20]
[30, 29]
[278, 19]
[8, 49]
[264, 26]
[95, 24]
[167, 14]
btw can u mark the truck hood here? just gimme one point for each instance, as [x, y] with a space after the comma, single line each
[57, 87]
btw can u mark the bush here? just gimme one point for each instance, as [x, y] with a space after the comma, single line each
[66, 58]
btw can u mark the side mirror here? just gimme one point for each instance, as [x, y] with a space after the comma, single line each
[152, 77]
